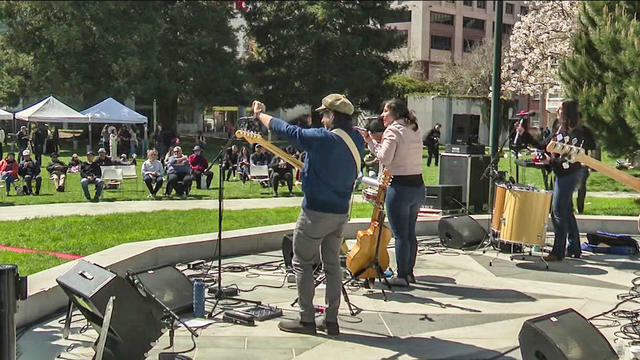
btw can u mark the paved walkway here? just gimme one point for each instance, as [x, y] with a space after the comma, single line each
[20, 212]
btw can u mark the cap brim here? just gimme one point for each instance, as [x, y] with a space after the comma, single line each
[321, 108]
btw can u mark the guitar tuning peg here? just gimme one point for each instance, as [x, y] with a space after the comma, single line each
[574, 141]
[582, 143]
[566, 140]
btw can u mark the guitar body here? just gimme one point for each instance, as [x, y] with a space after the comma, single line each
[364, 251]
[363, 254]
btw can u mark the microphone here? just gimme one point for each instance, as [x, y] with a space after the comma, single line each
[371, 118]
[246, 118]
[527, 113]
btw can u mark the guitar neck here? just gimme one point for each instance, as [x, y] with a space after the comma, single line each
[273, 149]
[620, 176]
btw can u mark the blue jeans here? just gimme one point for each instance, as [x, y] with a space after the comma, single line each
[403, 203]
[85, 187]
[564, 221]
[8, 179]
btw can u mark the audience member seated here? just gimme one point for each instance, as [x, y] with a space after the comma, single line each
[260, 158]
[230, 161]
[75, 164]
[9, 170]
[57, 172]
[168, 155]
[199, 167]
[243, 164]
[152, 172]
[281, 171]
[29, 169]
[124, 160]
[91, 173]
[103, 159]
[178, 173]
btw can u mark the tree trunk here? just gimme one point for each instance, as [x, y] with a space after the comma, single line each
[168, 112]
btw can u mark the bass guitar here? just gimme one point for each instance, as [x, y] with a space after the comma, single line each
[575, 153]
[363, 254]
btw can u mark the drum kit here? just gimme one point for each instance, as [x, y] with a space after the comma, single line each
[520, 215]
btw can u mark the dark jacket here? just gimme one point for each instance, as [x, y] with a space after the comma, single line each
[432, 138]
[90, 169]
[51, 167]
[103, 162]
[274, 165]
[259, 159]
[32, 170]
[23, 139]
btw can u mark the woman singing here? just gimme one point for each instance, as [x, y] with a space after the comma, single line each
[400, 150]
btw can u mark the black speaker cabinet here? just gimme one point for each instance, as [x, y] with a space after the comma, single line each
[170, 286]
[135, 321]
[563, 335]
[460, 232]
[467, 170]
[443, 197]
[465, 129]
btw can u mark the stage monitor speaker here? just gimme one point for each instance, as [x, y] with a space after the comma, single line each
[460, 232]
[467, 170]
[465, 129]
[563, 335]
[136, 319]
[170, 286]
[443, 197]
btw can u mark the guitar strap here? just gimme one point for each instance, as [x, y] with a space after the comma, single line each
[352, 147]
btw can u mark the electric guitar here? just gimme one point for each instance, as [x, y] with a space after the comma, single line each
[253, 137]
[576, 153]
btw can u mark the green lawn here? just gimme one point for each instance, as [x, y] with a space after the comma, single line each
[30, 263]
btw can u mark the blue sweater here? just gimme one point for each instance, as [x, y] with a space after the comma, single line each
[329, 170]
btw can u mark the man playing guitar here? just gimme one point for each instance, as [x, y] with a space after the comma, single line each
[328, 176]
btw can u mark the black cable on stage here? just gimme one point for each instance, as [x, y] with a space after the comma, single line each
[193, 347]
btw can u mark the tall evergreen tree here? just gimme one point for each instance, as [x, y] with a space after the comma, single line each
[603, 73]
[304, 50]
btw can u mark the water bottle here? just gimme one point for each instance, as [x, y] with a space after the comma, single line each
[198, 298]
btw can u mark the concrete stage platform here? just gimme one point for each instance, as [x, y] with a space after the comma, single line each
[460, 308]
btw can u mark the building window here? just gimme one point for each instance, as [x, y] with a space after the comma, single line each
[524, 10]
[471, 23]
[506, 28]
[440, 18]
[440, 42]
[468, 3]
[481, 4]
[469, 45]
[450, 1]
[508, 8]
[400, 16]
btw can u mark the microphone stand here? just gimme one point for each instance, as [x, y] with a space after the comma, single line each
[220, 293]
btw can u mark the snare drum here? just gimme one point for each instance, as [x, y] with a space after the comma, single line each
[370, 195]
[526, 213]
[499, 194]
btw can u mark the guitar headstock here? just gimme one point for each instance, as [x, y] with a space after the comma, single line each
[385, 179]
[572, 152]
[250, 136]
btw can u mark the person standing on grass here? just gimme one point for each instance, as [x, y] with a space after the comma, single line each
[29, 169]
[432, 142]
[57, 172]
[22, 140]
[91, 173]
[152, 171]
[113, 142]
[328, 177]
[9, 171]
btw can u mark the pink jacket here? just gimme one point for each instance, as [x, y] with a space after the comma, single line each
[400, 149]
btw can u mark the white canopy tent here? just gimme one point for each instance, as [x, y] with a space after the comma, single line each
[5, 115]
[51, 110]
[110, 111]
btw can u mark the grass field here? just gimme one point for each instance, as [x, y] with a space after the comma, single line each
[136, 189]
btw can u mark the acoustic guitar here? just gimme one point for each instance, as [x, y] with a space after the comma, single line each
[576, 153]
[363, 252]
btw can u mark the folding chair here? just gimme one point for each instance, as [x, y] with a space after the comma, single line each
[258, 173]
[111, 175]
[129, 172]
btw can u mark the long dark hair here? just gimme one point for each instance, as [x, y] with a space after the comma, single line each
[399, 110]
[341, 120]
[571, 114]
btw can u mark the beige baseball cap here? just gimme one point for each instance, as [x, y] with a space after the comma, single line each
[337, 102]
